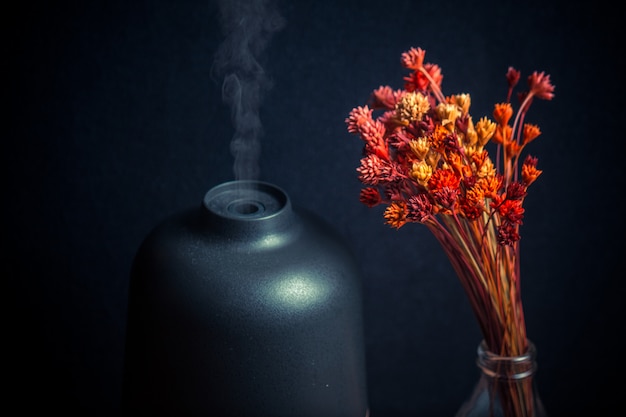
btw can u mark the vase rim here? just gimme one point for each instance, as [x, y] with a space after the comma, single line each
[507, 367]
[530, 353]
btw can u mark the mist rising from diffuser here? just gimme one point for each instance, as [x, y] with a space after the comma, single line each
[248, 26]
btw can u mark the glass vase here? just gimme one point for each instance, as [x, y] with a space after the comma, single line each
[506, 386]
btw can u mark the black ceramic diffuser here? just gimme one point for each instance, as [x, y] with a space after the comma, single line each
[245, 306]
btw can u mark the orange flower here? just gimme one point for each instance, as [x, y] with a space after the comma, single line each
[503, 113]
[491, 185]
[443, 178]
[512, 148]
[438, 137]
[475, 195]
[395, 214]
[530, 171]
[530, 133]
[502, 134]
[479, 158]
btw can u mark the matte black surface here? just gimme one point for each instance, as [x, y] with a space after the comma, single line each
[253, 313]
[113, 123]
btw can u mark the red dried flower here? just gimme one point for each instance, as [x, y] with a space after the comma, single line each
[384, 98]
[400, 140]
[446, 197]
[374, 170]
[525, 100]
[358, 117]
[471, 209]
[507, 235]
[515, 191]
[393, 192]
[512, 77]
[540, 86]
[435, 74]
[370, 196]
[416, 81]
[511, 211]
[413, 58]
[419, 208]
[373, 133]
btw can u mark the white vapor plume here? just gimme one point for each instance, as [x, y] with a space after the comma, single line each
[248, 26]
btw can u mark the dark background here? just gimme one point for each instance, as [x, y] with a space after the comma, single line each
[114, 123]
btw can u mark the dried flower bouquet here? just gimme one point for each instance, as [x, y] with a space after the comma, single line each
[426, 159]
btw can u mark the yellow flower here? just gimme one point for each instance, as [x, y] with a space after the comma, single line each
[448, 113]
[485, 129]
[421, 172]
[470, 138]
[412, 107]
[419, 147]
[487, 169]
[463, 101]
[469, 152]
[432, 158]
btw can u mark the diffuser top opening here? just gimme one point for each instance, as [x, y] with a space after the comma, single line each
[246, 200]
